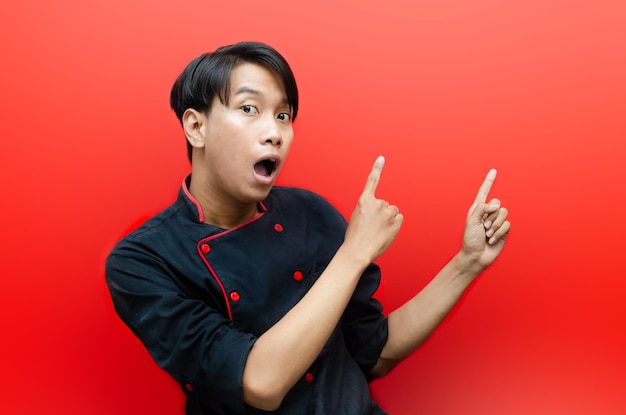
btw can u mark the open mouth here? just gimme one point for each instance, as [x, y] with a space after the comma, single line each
[265, 167]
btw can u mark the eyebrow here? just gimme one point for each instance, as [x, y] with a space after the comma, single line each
[248, 90]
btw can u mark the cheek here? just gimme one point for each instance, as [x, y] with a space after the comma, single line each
[225, 136]
[287, 135]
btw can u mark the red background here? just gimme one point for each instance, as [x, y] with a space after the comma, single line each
[444, 89]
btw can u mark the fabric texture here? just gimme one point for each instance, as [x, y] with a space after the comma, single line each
[198, 297]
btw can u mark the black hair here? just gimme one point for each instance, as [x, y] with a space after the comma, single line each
[208, 76]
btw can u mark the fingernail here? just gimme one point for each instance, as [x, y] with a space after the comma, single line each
[487, 224]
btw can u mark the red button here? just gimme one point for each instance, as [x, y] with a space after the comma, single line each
[206, 248]
[278, 227]
[309, 377]
[189, 387]
[234, 296]
[297, 275]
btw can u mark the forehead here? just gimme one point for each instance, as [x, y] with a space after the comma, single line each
[252, 77]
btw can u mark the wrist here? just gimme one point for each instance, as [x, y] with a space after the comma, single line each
[468, 264]
[354, 257]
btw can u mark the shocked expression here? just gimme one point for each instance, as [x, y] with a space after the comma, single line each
[247, 139]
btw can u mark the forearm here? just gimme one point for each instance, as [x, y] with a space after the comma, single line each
[411, 324]
[282, 355]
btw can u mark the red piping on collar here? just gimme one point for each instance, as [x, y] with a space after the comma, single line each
[194, 201]
[199, 207]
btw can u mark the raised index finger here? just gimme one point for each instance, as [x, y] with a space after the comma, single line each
[485, 188]
[374, 177]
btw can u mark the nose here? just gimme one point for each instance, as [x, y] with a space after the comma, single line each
[272, 133]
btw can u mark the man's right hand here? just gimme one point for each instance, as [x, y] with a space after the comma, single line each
[374, 223]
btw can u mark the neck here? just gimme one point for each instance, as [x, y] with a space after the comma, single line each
[221, 211]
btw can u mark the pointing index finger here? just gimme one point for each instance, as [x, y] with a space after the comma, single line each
[485, 188]
[374, 176]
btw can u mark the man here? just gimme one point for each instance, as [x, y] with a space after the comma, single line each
[257, 297]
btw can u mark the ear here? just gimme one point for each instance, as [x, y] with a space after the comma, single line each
[194, 125]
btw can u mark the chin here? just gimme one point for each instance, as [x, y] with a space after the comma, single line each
[259, 194]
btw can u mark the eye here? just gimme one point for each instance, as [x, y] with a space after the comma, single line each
[283, 116]
[249, 109]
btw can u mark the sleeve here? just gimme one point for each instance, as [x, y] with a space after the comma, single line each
[364, 325]
[190, 340]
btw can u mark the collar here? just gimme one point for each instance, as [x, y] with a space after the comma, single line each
[192, 207]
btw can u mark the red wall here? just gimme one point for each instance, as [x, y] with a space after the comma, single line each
[444, 89]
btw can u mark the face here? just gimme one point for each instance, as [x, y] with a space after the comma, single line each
[244, 144]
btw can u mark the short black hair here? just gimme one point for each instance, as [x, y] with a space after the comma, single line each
[208, 76]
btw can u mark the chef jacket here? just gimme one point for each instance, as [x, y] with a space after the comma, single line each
[198, 296]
